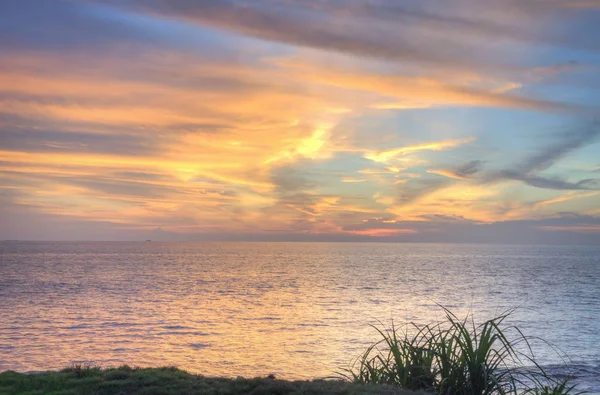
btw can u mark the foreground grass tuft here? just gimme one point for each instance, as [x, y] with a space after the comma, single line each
[456, 357]
[170, 381]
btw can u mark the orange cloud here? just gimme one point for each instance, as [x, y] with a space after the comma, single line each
[477, 203]
[564, 198]
[412, 92]
[446, 173]
[387, 155]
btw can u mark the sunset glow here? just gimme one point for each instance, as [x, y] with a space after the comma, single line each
[198, 120]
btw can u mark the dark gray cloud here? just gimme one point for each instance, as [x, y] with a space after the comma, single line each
[289, 179]
[142, 176]
[39, 141]
[552, 182]
[124, 187]
[445, 218]
[360, 26]
[42, 134]
[295, 188]
[573, 139]
[284, 24]
[416, 189]
[465, 171]
[30, 222]
[108, 187]
[470, 168]
[565, 228]
[565, 143]
[464, 23]
[26, 222]
[301, 200]
[111, 188]
[303, 26]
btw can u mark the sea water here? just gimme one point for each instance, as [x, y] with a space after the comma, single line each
[296, 310]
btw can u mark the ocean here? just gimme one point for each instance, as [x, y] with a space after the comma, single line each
[296, 310]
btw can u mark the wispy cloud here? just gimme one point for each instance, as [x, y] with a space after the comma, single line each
[563, 198]
[388, 155]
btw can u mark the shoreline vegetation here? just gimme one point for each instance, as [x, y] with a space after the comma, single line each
[88, 380]
[454, 357]
[458, 357]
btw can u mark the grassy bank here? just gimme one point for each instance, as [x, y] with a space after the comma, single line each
[157, 381]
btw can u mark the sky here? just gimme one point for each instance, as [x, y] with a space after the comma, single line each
[300, 120]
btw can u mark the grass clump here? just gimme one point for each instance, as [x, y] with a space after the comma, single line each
[456, 357]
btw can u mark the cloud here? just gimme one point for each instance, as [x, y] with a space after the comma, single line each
[407, 91]
[45, 140]
[427, 34]
[564, 228]
[388, 155]
[289, 179]
[295, 26]
[489, 19]
[552, 183]
[463, 172]
[274, 119]
[567, 142]
[577, 3]
[418, 189]
[430, 197]
[560, 199]
[527, 171]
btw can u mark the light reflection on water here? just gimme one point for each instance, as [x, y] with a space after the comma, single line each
[299, 310]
